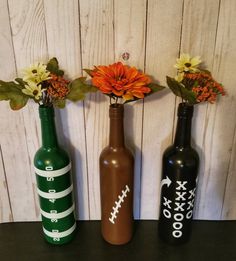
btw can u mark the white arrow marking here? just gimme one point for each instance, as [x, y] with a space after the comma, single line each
[166, 181]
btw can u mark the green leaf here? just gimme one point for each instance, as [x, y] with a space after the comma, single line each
[78, 89]
[21, 83]
[179, 90]
[60, 103]
[17, 102]
[53, 67]
[89, 72]
[9, 86]
[155, 88]
[3, 96]
[11, 91]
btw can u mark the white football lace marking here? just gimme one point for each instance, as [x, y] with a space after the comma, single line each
[118, 204]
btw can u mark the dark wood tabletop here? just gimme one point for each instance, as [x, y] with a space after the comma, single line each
[210, 240]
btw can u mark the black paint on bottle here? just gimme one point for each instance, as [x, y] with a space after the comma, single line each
[179, 173]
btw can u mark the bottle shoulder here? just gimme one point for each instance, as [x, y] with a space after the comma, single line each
[173, 150]
[121, 154]
[51, 156]
[179, 156]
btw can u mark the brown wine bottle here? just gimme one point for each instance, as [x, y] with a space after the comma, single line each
[116, 183]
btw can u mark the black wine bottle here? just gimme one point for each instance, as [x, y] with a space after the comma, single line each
[178, 186]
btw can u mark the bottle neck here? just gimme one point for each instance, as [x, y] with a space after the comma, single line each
[116, 113]
[183, 129]
[48, 129]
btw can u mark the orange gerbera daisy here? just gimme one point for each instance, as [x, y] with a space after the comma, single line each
[121, 81]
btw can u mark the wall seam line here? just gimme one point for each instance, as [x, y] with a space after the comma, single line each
[7, 188]
[85, 136]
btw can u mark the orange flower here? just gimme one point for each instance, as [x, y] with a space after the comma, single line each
[121, 81]
[58, 87]
[204, 86]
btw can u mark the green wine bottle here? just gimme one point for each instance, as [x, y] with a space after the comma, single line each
[52, 168]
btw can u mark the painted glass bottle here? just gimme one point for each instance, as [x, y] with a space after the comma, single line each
[116, 183]
[52, 168]
[179, 174]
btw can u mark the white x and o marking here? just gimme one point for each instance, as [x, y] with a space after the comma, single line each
[167, 202]
[180, 195]
[181, 185]
[179, 206]
[190, 204]
[192, 193]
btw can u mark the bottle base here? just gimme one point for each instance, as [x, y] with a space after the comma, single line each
[60, 241]
[173, 241]
[116, 242]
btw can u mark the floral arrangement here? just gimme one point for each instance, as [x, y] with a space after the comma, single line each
[192, 84]
[46, 85]
[120, 81]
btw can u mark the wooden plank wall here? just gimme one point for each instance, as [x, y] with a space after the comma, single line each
[83, 33]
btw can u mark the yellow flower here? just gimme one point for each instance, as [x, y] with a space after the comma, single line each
[33, 90]
[36, 73]
[179, 77]
[187, 64]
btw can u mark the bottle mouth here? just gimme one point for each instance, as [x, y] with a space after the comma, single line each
[185, 110]
[116, 110]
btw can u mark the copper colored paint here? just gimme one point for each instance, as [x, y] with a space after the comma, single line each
[116, 181]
